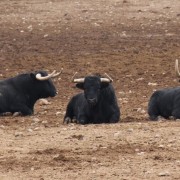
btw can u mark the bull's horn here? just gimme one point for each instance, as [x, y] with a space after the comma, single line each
[105, 80]
[177, 68]
[43, 78]
[57, 74]
[80, 80]
[109, 77]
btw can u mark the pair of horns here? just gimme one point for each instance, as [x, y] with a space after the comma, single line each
[81, 80]
[52, 75]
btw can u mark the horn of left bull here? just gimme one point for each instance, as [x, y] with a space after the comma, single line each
[52, 75]
[57, 74]
[177, 68]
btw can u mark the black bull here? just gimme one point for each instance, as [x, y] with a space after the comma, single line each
[20, 93]
[97, 104]
[165, 103]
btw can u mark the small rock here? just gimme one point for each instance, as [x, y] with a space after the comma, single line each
[130, 130]
[161, 146]
[93, 158]
[140, 153]
[140, 110]
[18, 134]
[152, 84]
[72, 128]
[29, 130]
[58, 113]
[117, 134]
[44, 102]
[36, 120]
[166, 173]
[46, 35]
[171, 140]
[44, 122]
[140, 79]
[122, 92]
[103, 147]
[36, 129]
[2, 127]
[157, 136]
[96, 24]
[44, 112]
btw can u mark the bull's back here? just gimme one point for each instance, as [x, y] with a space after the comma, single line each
[162, 102]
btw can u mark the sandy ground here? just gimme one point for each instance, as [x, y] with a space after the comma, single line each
[136, 42]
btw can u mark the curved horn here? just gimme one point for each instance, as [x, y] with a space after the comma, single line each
[108, 79]
[105, 80]
[80, 80]
[57, 74]
[43, 78]
[177, 68]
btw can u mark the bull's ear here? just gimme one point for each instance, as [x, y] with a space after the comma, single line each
[104, 84]
[80, 85]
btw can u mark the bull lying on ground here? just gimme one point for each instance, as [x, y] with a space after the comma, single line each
[20, 93]
[165, 102]
[98, 103]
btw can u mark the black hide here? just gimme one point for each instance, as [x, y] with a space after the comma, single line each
[20, 93]
[97, 104]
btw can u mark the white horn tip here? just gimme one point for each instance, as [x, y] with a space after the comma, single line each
[177, 67]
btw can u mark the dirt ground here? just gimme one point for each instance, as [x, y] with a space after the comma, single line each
[136, 42]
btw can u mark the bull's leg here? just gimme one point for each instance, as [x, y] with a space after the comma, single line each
[23, 109]
[153, 109]
[114, 114]
[67, 120]
[176, 114]
[153, 117]
[69, 114]
[82, 119]
[115, 118]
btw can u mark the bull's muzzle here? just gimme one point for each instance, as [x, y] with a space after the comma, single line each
[92, 101]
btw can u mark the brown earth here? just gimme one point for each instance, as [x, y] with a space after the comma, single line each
[136, 42]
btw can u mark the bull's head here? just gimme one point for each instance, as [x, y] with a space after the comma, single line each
[43, 83]
[92, 86]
